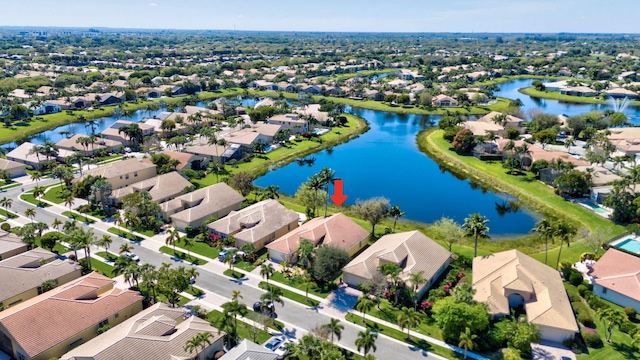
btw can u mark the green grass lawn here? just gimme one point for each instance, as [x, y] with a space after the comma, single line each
[102, 268]
[195, 292]
[245, 331]
[388, 313]
[402, 336]
[78, 217]
[144, 232]
[53, 194]
[11, 215]
[233, 274]
[296, 281]
[125, 234]
[290, 294]
[567, 98]
[200, 248]
[28, 197]
[110, 256]
[526, 188]
[184, 257]
[58, 248]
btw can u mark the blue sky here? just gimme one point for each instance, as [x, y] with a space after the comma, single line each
[590, 16]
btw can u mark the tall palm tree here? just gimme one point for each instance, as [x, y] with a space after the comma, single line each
[327, 176]
[36, 176]
[30, 213]
[67, 197]
[270, 192]
[565, 232]
[476, 226]
[416, 279]
[364, 305]
[395, 212]
[234, 308]
[55, 224]
[306, 249]
[173, 236]
[105, 241]
[334, 328]
[188, 244]
[6, 204]
[315, 183]
[125, 248]
[266, 270]
[85, 238]
[466, 341]
[274, 295]
[545, 230]
[366, 341]
[408, 318]
[236, 295]
[193, 344]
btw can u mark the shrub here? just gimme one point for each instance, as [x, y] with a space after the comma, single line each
[627, 327]
[576, 279]
[630, 312]
[582, 289]
[591, 338]
[5, 227]
[582, 313]
[492, 339]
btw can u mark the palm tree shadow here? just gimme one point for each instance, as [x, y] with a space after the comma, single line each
[627, 351]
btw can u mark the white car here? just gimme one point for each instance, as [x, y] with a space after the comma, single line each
[281, 350]
[132, 256]
[273, 343]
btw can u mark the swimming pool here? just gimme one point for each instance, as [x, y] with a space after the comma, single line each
[595, 208]
[629, 244]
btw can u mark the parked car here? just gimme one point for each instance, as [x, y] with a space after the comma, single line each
[267, 309]
[282, 350]
[131, 256]
[222, 255]
[273, 343]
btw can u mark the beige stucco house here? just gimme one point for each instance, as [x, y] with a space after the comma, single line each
[161, 188]
[51, 324]
[157, 333]
[509, 279]
[258, 224]
[11, 244]
[123, 173]
[14, 168]
[412, 251]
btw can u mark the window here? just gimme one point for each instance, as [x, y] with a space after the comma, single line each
[120, 177]
[135, 174]
[103, 323]
[127, 177]
[116, 315]
[75, 343]
[273, 236]
[604, 290]
[21, 356]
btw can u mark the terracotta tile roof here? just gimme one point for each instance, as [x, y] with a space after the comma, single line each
[545, 299]
[412, 250]
[256, 221]
[40, 323]
[336, 230]
[159, 332]
[619, 272]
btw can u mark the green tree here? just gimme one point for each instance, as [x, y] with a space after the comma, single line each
[6, 204]
[366, 341]
[328, 263]
[449, 231]
[395, 212]
[610, 319]
[334, 328]
[373, 210]
[453, 317]
[467, 341]
[326, 176]
[105, 241]
[520, 333]
[47, 285]
[408, 318]
[545, 137]
[30, 213]
[476, 226]
[266, 270]
[463, 293]
[243, 182]
[545, 230]
[173, 236]
[364, 305]
[565, 232]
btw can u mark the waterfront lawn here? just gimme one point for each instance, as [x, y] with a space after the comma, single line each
[58, 248]
[526, 188]
[182, 256]
[567, 98]
[290, 294]
[78, 217]
[125, 234]
[402, 336]
[245, 330]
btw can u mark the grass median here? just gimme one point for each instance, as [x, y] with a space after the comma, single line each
[182, 256]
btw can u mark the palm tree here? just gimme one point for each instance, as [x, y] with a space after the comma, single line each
[306, 249]
[306, 284]
[327, 176]
[105, 241]
[367, 341]
[125, 248]
[235, 295]
[173, 236]
[274, 295]
[67, 197]
[234, 308]
[30, 213]
[395, 212]
[416, 279]
[408, 318]
[55, 224]
[85, 238]
[545, 230]
[476, 225]
[610, 319]
[266, 270]
[334, 328]
[47, 285]
[364, 305]
[315, 183]
[270, 192]
[193, 344]
[36, 176]
[565, 232]
[188, 244]
[466, 341]
[6, 204]
[569, 142]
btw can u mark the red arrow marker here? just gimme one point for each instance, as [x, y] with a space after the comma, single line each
[338, 198]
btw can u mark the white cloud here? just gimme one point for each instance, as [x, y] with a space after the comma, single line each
[153, 4]
[240, 16]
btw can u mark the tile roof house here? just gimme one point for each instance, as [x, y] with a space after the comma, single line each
[14, 168]
[10, 245]
[247, 350]
[258, 224]
[157, 333]
[194, 208]
[626, 140]
[22, 155]
[51, 324]
[444, 100]
[100, 143]
[113, 131]
[22, 274]
[411, 250]
[616, 277]
[337, 230]
[161, 188]
[291, 121]
[123, 173]
[510, 279]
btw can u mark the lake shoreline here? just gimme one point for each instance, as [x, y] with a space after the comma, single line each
[550, 95]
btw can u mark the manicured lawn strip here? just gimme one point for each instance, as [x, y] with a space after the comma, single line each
[529, 190]
[102, 268]
[53, 194]
[148, 233]
[59, 248]
[183, 299]
[194, 291]
[244, 329]
[28, 197]
[313, 289]
[4, 213]
[200, 248]
[233, 274]
[567, 98]
[78, 217]
[259, 166]
[290, 294]
[388, 313]
[109, 256]
[182, 256]
[10, 186]
[402, 336]
[125, 234]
